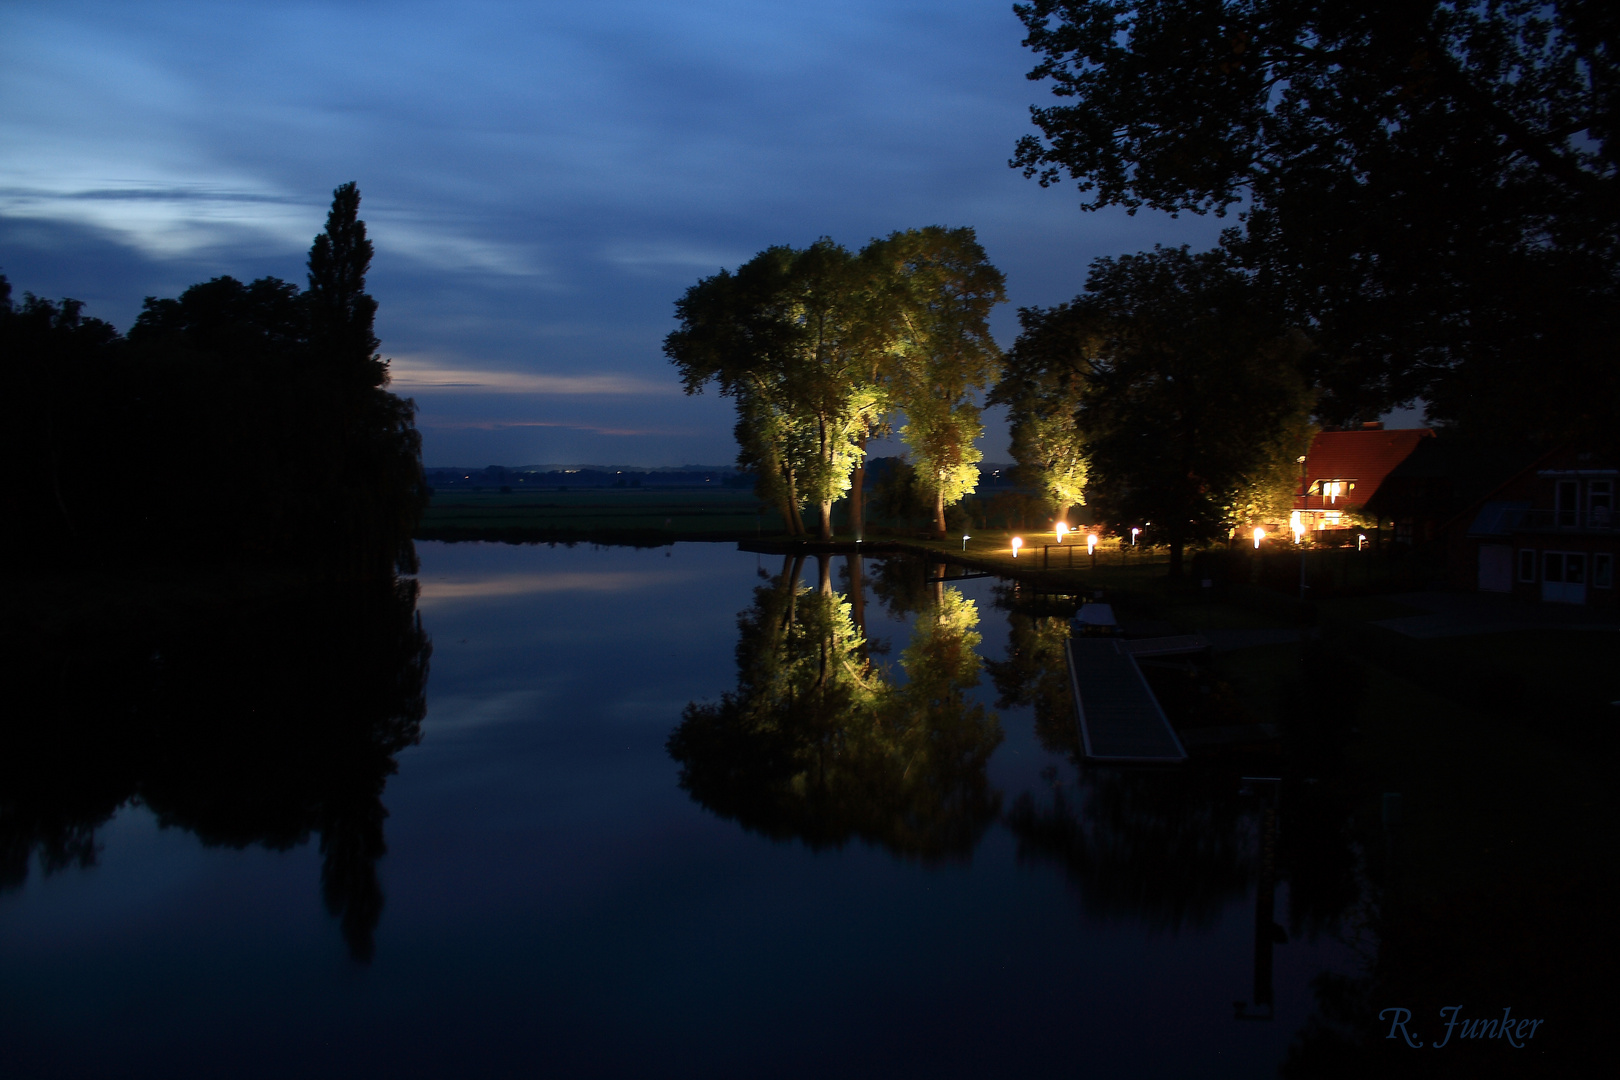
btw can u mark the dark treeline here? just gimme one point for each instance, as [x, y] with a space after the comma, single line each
[237, 422]
[256, 723]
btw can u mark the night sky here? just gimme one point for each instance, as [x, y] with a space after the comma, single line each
[541, 180]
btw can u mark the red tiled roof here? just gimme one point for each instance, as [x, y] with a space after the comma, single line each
[1364, 456]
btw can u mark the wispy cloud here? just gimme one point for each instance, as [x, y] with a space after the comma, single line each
[419, 375]
[450, 590]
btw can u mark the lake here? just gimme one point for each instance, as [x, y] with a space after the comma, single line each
[623, 811]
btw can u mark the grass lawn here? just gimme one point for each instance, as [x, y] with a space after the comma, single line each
[677, 514]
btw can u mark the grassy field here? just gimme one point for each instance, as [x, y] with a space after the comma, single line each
[645, 514]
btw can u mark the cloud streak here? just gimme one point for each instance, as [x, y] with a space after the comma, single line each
[414, 375]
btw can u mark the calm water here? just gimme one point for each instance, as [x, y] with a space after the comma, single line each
[205, 880]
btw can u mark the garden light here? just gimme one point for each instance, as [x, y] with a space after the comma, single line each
[1017, 543]
[1259, 535]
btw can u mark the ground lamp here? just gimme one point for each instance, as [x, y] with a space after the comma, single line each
[1296, 524]
[1361, 538]
[1134, 531]
[1259, 535]
[965, 539]
[1017, 543]
[1091, 548]
[1062, 527]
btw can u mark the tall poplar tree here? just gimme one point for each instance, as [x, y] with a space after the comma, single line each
[941, 288]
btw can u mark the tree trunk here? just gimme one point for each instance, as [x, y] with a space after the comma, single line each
[857, 494]
[857, 594]
[939, 514]
[824, 573]
[824, 527]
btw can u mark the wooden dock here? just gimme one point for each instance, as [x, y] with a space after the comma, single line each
[1179, 645]
[1120, 719]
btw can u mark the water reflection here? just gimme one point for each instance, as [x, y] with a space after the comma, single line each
[819, 744]
[260, 725]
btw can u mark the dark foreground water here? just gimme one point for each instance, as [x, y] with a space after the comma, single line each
[838, 870]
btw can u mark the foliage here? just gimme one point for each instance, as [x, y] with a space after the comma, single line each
[235, 421]
[1042, 389]
[790, 338]
[1193, 387]
[1365, 145]
[941, 290]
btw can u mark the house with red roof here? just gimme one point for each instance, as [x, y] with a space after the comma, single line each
[1344, 469]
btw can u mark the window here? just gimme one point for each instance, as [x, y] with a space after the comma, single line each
[1603, 571]
[1527, 565]
[1600, 502]
[1566, 504]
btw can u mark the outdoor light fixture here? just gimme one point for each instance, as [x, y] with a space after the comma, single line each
[1259, 535]
[1134, 531]
[1297, 525]
[1091, 543]
[1361, 538]
[1062, 527]
[965, 539]
[1017, 543]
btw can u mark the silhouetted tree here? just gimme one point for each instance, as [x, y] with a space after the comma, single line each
[1433, 187]
[237, 422]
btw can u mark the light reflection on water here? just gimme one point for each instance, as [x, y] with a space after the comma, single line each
[553, 897]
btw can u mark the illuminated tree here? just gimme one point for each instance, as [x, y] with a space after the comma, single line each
[1042, 388]
[1193, 386]
[940, 288]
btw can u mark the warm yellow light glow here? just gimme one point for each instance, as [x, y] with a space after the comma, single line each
[1259, 535]
[1062, 527]
[1091, 543]
[1017, 543]
[1296, 525]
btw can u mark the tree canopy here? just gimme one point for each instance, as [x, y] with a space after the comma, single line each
[1431, 186]
[818, 345]
[1191, 396]
[235, 421]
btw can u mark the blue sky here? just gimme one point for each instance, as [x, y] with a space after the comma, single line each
[541, 180]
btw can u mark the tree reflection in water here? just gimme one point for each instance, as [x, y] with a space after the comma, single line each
[254, 726]
[817, 744]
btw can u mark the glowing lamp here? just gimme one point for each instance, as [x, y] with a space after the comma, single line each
[1091, 543]
[1259, 535]
[1017, 543]
[965, 539]
[1134, 531]
[1361, 538]
[1297, 525]
[1062, 527]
